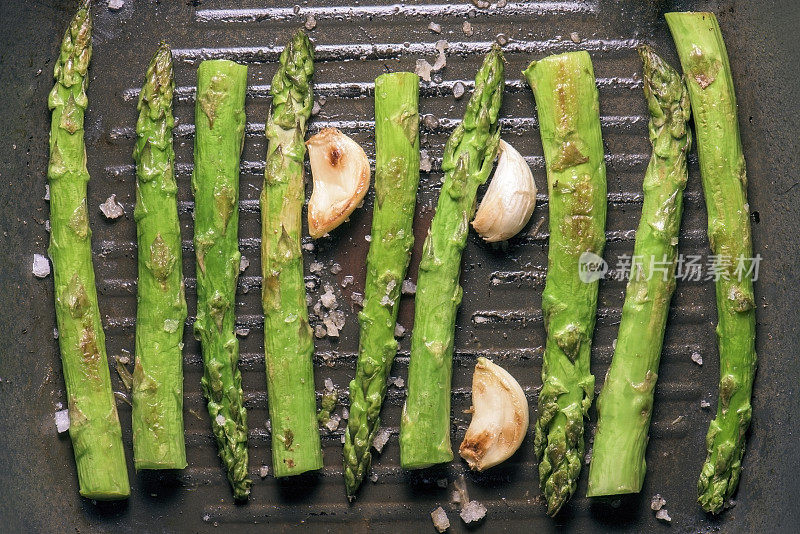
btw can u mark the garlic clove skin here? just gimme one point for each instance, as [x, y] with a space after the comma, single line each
[499, 417]
[509, 200]
[340, 174]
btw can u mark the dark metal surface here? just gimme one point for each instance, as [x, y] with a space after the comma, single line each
[500, 316]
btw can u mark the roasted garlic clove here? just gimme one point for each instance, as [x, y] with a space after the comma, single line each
[340, 174]
[510, 198]
[499, 417]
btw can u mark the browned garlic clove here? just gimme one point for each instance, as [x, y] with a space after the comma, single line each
[499, 417]
[340, 174]
[510, 198]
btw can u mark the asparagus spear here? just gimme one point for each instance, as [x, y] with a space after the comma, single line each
[705, 64]
[287, 336]
[396, 181]
[94, 423]
[158, 375]
[568, 109]
[468, 157]
[219, 136]
[625, 405]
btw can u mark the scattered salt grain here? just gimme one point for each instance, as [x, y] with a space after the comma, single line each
[441, 58]
[311, 22]
[62, 421]
[308, 247]
[399, 330]
[501, 4]
[328, 384]
[408, 287]
[575, 37]
[379, 442]
[697, 358]
[111, 208]
[333, 331]
[315, 109]
[55, 333]
[336, 268]
[41, 266]
[315, 267]
[220, 419]
[242, 332]
[319, 331]
[435, 28]
[47, 225]
[348, 280]
[342, 438]
[328, 299]
[268, 425]
[663, 515]
[458, 90]
[333, 422]
[337, 316]
[345, 413]
[47, 191]
[704, 404]
[368, 238]
[657, 502]
[115, 5]
[424, 161]
[374, 478]
[472, 512]
[481, 4]
[429, 121]
[386, 301]
[423, 69]
[467, 29]
[357, 298]
[263, 471]
[440, 520]
[244, 263]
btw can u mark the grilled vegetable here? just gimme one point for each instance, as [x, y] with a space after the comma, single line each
[625, 405]
[468, 157]
[499, 417]
[396, 181]
[158, 374]
[219, 136]
[340, 172]
[722, 169]
[569, 121]
[287, 335]
[94, 423]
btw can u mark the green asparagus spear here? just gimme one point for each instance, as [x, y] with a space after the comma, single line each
[219, 136]
[468, 158]
[569, 122]
[158, 375]
[625, 405]
[287, 336]
[722, 169]
[396, 181]
[94, 423]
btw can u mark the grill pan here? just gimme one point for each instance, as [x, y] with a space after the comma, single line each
[501, 313]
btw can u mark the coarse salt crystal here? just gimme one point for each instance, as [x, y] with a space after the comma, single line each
[697, 358]
[41, 266]
[263, 471]
[111, 208]
[333, 422]
[328, 384]
[242, 332]
[663, 515]
[399, 330]
[379, 442]
[315, 267]
[244, 263]
[62, 420]
[116, 5]
[220, 419]
[657, 502]
[440, 519]
[472, 512]
[408, 287]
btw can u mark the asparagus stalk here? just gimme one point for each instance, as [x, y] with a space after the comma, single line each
[219, 136]
[722, 169]
[287, 336]
[158, 374]
[396, 181]
[468, 157]
[569, 121]
[625, 405]
[94, 423]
